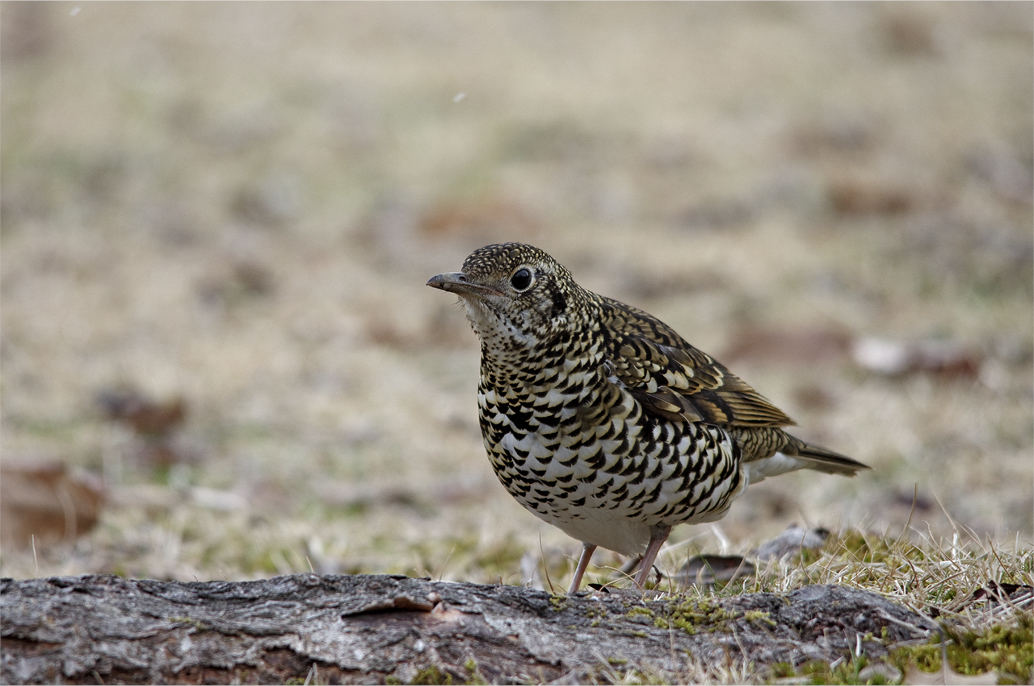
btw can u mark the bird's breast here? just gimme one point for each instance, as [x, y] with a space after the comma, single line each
[577, 450]
[551, 422]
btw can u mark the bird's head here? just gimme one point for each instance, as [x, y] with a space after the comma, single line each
[516, 295]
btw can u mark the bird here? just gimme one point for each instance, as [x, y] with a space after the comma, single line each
[601, 420]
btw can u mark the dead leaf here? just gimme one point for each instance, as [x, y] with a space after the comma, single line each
[272, 202]
[1003, 592]
[156, 426]
[147, 417]
[478, 218]
[793, 540]
[238, 281]
[800, 346]
[813, 397]
[838, 132]
[908, 34]
[649, 284]
[716, 214]
[41, 500]
[704, 570]
[897, 358]
[29, 32]
[165, 452]
[858, 198]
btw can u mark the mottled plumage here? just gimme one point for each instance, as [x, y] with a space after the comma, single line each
[601, 420]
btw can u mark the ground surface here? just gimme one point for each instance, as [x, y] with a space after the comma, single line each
[239, 204]
[372, 629]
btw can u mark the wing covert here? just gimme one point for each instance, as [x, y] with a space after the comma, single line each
[674, 380]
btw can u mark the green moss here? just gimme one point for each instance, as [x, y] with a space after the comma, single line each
[693, 616]
[428, 675]
[847, 672]
[66, 429]
[432, 675]
[1008, 650]
[188, 620]
[863, 549]
[499, 559]
[759, 616]
[597, 613]
[641, 610]
[474, 675]
[808, 556]
[818, 672]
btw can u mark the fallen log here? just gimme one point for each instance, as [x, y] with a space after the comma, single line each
[372, 629]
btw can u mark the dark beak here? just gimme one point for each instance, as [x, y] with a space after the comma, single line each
[456, 282]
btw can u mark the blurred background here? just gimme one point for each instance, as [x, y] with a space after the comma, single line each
[218, 359]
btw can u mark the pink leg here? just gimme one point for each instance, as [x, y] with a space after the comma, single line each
[658, 535]
[583, 562]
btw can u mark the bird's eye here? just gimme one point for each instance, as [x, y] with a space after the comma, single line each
[521, 279]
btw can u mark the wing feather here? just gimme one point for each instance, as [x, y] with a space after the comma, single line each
[674, 380]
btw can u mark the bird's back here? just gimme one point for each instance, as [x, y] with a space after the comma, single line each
[673, 379]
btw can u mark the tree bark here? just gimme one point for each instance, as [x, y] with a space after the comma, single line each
[369, 629]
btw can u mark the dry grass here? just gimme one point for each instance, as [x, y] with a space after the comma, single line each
[946, 580]
[248, 224]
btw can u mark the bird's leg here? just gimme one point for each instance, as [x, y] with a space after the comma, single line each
[658, 535]
[583, 563]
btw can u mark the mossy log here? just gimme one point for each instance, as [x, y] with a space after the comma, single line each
[370, 629]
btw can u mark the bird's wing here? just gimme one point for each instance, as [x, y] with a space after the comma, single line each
[673, 379]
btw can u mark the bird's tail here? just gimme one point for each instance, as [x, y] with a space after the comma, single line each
[821, 459]
[771, 451]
